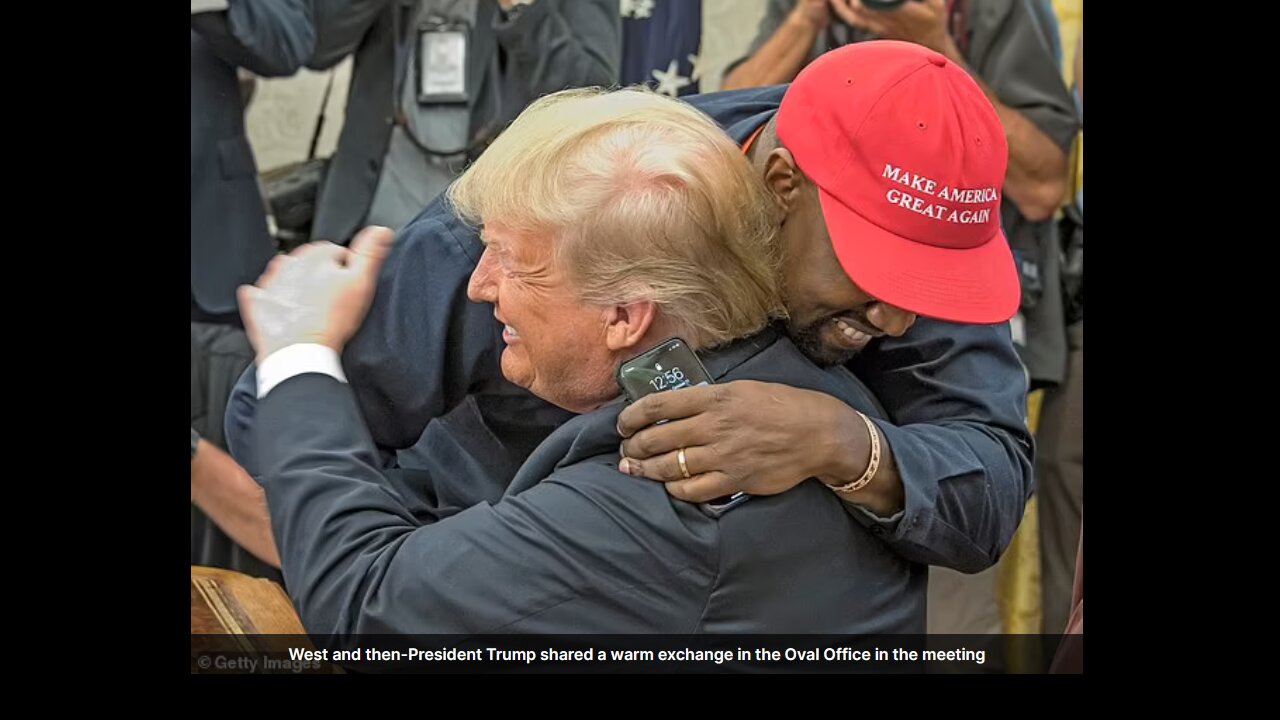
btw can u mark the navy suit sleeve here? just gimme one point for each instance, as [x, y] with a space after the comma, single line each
[568, 555]
[956, 398]
[558, 45]
[238, 422]
[272, 39]
[423, 346]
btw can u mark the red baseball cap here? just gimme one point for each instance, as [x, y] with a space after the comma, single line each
[909, 158]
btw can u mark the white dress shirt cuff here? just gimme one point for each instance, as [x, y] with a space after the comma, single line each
[296, 360]
[201, 6]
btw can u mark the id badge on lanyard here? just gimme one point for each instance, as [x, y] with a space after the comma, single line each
[442, 62]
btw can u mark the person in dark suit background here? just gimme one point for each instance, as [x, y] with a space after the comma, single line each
[401, 142]
[598, 247]
[230, 243]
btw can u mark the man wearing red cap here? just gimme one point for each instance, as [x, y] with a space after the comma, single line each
[888, 161]
[908, 171]
[1009, 47]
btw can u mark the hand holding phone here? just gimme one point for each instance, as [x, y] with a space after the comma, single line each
[671, 365]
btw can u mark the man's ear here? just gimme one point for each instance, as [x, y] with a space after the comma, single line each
[783, 178]
[627, 325]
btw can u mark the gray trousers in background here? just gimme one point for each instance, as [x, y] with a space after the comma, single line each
[219, 354]
[1060, 484]
[961, 604]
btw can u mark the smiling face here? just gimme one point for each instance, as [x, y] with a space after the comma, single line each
[612, 221]
[831, 319]
[556, 345]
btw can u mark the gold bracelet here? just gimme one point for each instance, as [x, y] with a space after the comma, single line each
[872, 466]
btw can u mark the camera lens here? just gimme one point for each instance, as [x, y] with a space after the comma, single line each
[882, 5]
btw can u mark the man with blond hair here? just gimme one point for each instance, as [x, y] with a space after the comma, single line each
[915, 308]
[611, 222]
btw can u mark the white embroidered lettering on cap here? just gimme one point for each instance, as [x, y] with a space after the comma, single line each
[928, 186]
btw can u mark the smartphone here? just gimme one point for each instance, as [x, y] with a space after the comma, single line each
[671, 365]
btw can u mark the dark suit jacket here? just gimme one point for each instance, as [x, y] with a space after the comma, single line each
[229, 240]
[574, 546]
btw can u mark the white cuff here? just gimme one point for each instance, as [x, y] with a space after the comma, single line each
[201, 6]
[297, 360]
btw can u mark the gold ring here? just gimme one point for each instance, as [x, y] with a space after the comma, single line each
[684, 469]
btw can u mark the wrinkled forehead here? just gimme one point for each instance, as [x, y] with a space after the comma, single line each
[531, 259]
[516, 243]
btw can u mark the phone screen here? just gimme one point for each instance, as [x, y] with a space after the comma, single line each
[671, 366]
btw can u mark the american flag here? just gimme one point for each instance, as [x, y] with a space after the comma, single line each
[660, 44]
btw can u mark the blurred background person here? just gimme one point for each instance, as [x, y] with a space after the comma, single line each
[221, 488]
[1071, 469]
[1060, 457]
[434, 82]
[230, 244]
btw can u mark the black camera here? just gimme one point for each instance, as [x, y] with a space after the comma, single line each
[882, 5]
